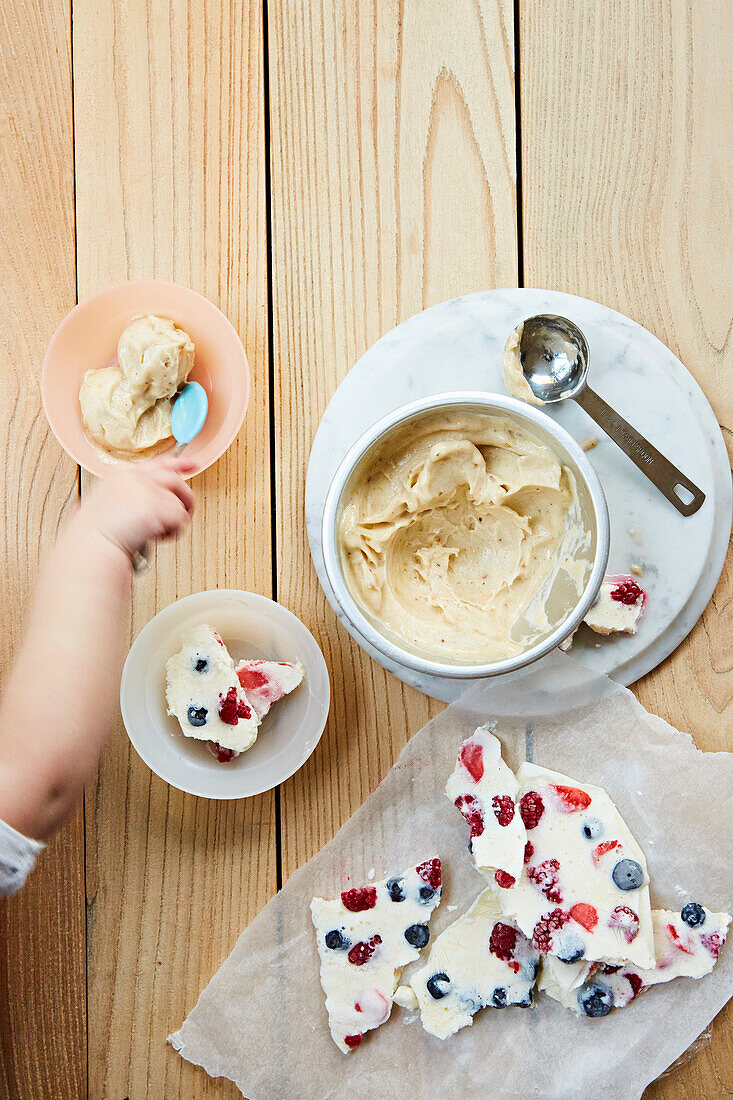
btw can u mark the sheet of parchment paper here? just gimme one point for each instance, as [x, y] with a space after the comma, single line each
[261, 1021]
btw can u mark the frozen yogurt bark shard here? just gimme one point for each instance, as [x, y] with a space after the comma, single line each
[205, 695]
[481, 960]
[687, 944]
[264, 682]
[365, 938]
[485, 790]
[584, 890]
[618, 607]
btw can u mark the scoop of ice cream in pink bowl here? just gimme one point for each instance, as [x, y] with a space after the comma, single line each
[87, 339]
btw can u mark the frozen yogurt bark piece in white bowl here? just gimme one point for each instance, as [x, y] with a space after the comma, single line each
[254, 629]
[204, 693]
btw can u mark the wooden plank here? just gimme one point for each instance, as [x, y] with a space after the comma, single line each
[625, 161]
[392, 161]
[169, 108]
[42, 930]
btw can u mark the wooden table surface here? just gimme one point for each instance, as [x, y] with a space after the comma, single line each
[320, 169]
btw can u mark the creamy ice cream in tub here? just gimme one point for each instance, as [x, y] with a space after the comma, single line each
[465, 535]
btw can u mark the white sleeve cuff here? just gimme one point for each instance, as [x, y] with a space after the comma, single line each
[17, 857]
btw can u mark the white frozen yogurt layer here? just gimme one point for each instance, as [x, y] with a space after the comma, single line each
[205, 695]
[584, 889]
[485, 791]
[481, 960]
[365, 938]
[686, 945]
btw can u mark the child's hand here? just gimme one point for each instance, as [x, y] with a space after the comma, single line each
[145, 502]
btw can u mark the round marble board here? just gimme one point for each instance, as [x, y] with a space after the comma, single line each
[457, 345]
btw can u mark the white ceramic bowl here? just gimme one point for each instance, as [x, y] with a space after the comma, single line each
[591, 499]
[251, 626]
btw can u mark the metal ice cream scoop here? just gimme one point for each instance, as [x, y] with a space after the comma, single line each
[554, 356]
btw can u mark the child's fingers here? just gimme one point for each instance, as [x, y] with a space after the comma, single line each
[175, 484]
[181, 464]
[165, 476]
[173, 516]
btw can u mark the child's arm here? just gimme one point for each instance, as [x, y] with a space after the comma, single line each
[60, 697]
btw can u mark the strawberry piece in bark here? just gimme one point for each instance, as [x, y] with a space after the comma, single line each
[265, 682]
[585, 914]
[571, 799]
[600, 850]
[471, 755]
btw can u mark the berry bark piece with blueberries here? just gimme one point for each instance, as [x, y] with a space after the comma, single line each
[365, 937]
[682, 950]
[204, 693]
[583, 894]
[484, 790]
[481, 960]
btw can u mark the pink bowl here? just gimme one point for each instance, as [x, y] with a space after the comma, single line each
[87, 338]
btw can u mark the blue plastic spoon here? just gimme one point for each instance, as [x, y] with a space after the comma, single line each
[188, 417]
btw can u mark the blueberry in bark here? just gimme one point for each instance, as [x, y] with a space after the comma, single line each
[595, 999]
[570, 948]
[417, 935]
[336, 940]
[438, 985]
[200, 664]
[693, 914]
[471, 1001]
[197, 716]
[530, 970]
[498, 998]
[426, 894]
[628, 875]
[396, 889]
[592, 828]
